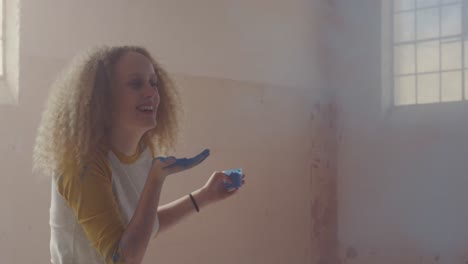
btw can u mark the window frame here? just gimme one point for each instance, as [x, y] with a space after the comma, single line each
[389, 76]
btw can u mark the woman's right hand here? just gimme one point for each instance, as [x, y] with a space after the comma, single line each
[165, 166]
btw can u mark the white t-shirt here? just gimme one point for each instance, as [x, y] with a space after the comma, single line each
[69, 242]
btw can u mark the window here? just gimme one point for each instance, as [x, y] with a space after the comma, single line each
[429, 51]
[9, 52]
[2, 63]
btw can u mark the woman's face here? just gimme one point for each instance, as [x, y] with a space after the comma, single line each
[135, 94]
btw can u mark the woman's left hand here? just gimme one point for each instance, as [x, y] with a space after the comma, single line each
[214, 189]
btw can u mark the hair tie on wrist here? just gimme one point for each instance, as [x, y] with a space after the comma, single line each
[194, 203]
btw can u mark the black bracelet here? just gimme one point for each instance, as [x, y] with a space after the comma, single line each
[194, 203]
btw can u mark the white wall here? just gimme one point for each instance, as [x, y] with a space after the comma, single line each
[249, 67]
[402, 174]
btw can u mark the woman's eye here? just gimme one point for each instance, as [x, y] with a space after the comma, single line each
[136, 84]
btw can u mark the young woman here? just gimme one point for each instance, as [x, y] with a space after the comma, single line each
[107, 119]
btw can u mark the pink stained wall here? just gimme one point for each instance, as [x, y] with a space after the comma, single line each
[401, 172]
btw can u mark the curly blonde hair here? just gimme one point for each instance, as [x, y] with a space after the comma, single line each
[76, 119]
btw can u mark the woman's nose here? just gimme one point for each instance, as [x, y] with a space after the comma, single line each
[150, 91]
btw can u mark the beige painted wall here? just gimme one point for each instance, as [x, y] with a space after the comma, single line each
[402, 173]
[249, 75]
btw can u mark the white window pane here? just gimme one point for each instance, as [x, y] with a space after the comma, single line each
[451, 86]
[426, 3]
[466, 54]
[1, 18]
[451, 20]
[450, 1]
[466, 85]
[401, 5]
[1, 58]
[404, 60]
[451, 55]
[404, 27]
[405, 92]
[428, 56]
[428, 23]
[428, 88]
